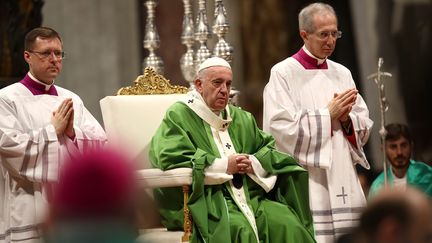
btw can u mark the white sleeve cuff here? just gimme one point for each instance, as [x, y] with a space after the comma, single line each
[51, 132]
[78, 133]
[220, 165]
[71, 145]
[216, 173]
[261, 177]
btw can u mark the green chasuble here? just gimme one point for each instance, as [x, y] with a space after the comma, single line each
[281, 215]
[419, 175]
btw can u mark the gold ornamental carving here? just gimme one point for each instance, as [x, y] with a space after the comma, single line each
[151, 83]
[187, 220]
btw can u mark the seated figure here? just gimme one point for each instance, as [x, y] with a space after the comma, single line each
[257, 194]
[403, 170]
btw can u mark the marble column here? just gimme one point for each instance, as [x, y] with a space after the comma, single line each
[366, 31]
[101, 40]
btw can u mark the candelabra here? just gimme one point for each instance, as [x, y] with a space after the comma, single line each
[187, 37]
[192, 33]
[220, 28]
[202, 34]
[151, 39]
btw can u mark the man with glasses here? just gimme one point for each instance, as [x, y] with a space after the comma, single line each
[41, 125]
[314, 111]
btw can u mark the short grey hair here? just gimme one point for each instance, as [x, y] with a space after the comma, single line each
[307, 14]
[202, 75]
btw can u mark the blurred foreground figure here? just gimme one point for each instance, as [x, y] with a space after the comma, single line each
[93, 202]
[396, 216]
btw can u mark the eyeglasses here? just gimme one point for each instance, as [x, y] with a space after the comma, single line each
[324, 35]
[46, 54]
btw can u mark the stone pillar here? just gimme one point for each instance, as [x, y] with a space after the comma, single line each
[101, 41]
[366, 31]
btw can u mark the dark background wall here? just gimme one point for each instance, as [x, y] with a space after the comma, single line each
[17, 17]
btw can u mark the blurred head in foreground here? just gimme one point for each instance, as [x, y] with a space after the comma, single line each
[93, 201]
[396, 216]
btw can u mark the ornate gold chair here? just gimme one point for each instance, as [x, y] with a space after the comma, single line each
[131, 119]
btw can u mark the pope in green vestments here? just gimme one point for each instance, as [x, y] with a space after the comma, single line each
[262, 194]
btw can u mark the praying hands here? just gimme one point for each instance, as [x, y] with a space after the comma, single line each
[341, 105]
[239, 163]
[63, 118]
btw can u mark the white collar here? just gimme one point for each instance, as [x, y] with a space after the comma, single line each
[47, 86]
[197, 104]
[320, 61]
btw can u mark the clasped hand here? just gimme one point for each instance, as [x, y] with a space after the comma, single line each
[239, 163]
[341, 105]
[62, 119]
